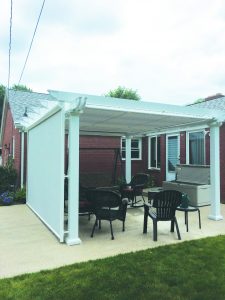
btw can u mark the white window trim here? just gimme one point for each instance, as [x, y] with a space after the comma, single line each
[187, 144]
[139, 147]
[149, 152]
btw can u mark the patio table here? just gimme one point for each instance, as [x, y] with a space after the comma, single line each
[188, 209]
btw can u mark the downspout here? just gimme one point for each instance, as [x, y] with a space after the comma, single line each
[22, 161]
[21, 129]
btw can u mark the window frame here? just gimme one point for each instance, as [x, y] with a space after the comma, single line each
[187, 145]
[156, 136]
[139, 148]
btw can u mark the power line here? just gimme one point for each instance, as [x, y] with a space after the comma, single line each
[10, 43]
[28, 53]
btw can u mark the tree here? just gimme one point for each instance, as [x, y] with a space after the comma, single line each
[2, 95]
[15, 87]
[124, 93]
[199, 100]
[21, 87]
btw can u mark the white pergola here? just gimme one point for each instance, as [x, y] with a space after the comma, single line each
[80, 114]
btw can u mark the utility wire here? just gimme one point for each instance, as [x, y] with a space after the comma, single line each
[28, 53]
[10, 45]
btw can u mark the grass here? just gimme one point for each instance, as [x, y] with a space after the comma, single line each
[188, 270]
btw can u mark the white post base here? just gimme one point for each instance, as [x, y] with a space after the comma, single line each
[215, 218]
[71, 242]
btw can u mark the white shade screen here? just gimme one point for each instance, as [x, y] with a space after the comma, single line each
[45, 172]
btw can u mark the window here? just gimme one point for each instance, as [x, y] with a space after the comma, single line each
[154, 152]
[135, 148]
[196, 148]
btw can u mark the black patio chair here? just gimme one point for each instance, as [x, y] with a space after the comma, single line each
[108, 206]
[85, 200]
[135, 188]
[86, 205]
[163, 209]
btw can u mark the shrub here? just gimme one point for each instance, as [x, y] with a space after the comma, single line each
[6, 198]
[8, 177]
[20, 194]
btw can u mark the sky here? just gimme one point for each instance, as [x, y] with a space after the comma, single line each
[169, 51]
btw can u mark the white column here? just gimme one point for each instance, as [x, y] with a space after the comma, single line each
[73, 182]
[22, 160]
[215, 172]
[128, 159]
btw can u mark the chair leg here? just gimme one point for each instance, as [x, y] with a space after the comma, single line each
[172, 226]
[143, 198]
[93, 229]
[199, 219]
[186, 214]
[177, 228]
[111, 230]
[154, 230]
[145, 226]
[123, 225]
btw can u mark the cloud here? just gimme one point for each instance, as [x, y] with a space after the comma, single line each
[170, 51]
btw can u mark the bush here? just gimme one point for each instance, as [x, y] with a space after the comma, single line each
[20, 195]
[6, 198]
[8, 177]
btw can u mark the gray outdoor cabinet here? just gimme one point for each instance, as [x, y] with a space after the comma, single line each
[194, 181]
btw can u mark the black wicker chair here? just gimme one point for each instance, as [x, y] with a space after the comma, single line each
[163, 209]
[109, 206]
[86, 201]
[135, 188]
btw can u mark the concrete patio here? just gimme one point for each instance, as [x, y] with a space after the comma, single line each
[28, 246]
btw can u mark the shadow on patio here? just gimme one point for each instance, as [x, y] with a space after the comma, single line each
[28, 246]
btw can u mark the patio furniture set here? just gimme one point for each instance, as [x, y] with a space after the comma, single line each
[111, 204]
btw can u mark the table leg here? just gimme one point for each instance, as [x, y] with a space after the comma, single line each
[186, 219]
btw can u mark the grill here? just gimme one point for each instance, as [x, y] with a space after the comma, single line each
[194, 181]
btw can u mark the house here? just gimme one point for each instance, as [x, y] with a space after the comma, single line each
[94, 158]
[191, 146]
[149, 132]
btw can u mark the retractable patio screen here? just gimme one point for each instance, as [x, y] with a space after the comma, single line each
[45, 170]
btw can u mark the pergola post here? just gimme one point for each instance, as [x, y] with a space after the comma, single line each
[73, 181]
[215, 172]
[128, 159]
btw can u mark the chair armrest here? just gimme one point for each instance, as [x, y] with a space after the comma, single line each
[138, 186]
[125, 201]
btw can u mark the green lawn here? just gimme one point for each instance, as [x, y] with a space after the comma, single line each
[188, 270]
